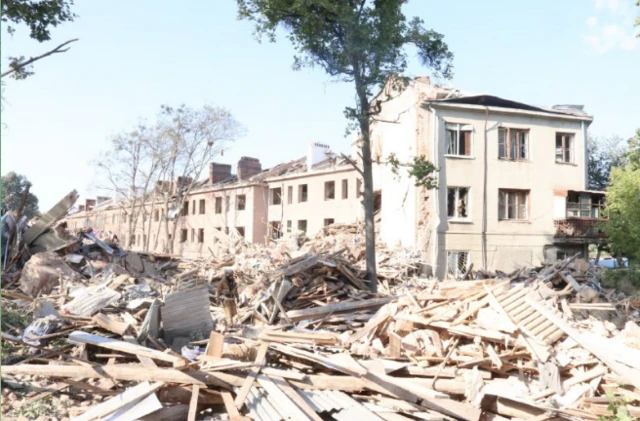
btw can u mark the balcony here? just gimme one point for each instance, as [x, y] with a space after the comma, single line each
[579, 230]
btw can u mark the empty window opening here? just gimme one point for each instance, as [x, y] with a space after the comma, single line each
[275, 230]
[377, 201]
[202, 206]
[289, 226]
[193, 235]
[132, 241]
[185, 208]
[561, 255]
[513, 144]
[226, 230]
[240, 231]
[289, 195]
[459, 139]
[156, 215]
[345, 189]
[276, 196]
[193, 207]
[513, 204]
[457, 202]
[302, 226]
[457, 263]
[144, 240]
[218, 205]
[241, 202]
[201, 235]
[183, 235]
[564, 147]
[329, 190]
[302, 193]
[328, 221]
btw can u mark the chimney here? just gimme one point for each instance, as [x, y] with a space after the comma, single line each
[218, 172]
[317, 153]
[102, 199]
[248, 167]
[89, 204]
[162, 187]
[81, 208]
[181, 182]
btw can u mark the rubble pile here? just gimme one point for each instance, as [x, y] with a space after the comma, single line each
[291, 331]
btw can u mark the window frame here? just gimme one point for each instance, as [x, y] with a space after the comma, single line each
[457, 272]
[201, 207]
[328, 221]
[457, 218]
[272, 195]
[508, 144]
[306, 225]
[515, 192]
[329, 190]
[345, 188]
[200, 235]
[303, 198]
[458, 128]
[563, 149]
[241, 199]
[217, 204]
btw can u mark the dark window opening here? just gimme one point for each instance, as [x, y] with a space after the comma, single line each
[240, 231]
[241, 202]
[457, 202]
[302, 225]
[276, 196]
[328, 221]
[218, 205]
[183, 235]
[329, 190]
[513, 144]
[303, 190]
[202, 204]
[201, 235]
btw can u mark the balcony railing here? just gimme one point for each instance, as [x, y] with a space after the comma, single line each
[588, 228]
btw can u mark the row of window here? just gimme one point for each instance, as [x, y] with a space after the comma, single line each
[513, 144]
[512, 204]
[275, 194]
[198, 236]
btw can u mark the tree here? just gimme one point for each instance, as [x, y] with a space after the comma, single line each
[39, 16]
[13, 187]
[603, 154]
[356, 41]
[189, 140]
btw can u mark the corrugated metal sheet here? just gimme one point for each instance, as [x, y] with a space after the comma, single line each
[346, 408]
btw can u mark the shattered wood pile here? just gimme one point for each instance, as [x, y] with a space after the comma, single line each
[152, 337]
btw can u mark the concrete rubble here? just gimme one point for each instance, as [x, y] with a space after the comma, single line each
[289, 330]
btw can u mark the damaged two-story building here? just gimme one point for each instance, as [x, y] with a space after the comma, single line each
[511, 187]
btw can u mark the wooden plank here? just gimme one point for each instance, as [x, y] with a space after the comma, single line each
[119, 372]
[129, 348]
[232, 411]
[395, 345]
[295, 398]
[183, 394]
[286, 374]
[110, 324]
[57, 212]
[495, 358]
[298, 267]
[358, 283]
[146, 361]
[380, 317]
[112, 405]
[193, 404]
[171, 413]
[135, 410]
[246, 386]
[284, 406]
[214, 347]
[335, 308]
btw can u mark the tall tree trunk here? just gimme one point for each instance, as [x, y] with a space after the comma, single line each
[367, 175]
[167, 246]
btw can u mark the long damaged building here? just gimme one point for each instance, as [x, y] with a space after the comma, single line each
[512, 188]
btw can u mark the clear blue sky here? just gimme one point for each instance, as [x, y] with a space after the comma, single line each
[134, 56]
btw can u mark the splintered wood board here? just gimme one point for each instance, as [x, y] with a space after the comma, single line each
[528, 319]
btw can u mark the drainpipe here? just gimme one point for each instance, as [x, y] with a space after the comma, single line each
[435, 212]
[585, 160]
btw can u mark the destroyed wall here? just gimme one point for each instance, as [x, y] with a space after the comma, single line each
[510, 243]
[318, 208]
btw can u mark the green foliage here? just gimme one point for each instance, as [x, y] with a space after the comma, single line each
[13, 186]
[604, 154]
[421, 170]
[623, 209]
[36, 409]
[14, 317]
[618, 408]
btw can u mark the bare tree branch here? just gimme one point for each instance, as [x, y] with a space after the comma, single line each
[17, 66]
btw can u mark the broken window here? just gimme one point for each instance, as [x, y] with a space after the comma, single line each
[561, 255]
[289, 195]
[459, 139]
[289, 227]
[329, 190]
[345, 189]
[275, 230]
[358, 187]
[302, 225]
[513, 204]
[193, 207]
[156, 215]
[328, 221]
[202, 206]
[240, 231]
[183, 235]
[276, 196]
[457, 202]
[185, 208]
[218, 204]
[513, 144]
[302, 193]
[564, 147]
[200, 235]
[457, 263]
[193, 235]
[241, 202]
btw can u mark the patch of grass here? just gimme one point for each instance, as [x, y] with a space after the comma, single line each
[12, 316]
[35, 409]
[626, 280]
[617, 408]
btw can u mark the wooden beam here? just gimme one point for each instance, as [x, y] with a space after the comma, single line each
[193, 404]
[255, 370]
[320, 312]
[117, 402]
